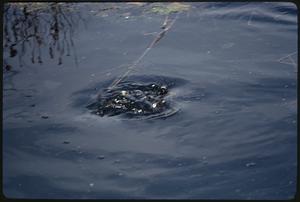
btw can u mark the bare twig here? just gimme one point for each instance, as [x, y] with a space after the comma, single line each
[158, 37]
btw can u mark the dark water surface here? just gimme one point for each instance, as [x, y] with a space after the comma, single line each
[232, 72]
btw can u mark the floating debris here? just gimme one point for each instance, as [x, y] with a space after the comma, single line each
[100, 157]
[8, 67]
[44, 117]
[66, 142]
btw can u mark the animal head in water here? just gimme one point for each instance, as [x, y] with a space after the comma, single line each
[132, 100]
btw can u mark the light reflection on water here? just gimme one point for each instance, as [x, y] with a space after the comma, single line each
[234, 137]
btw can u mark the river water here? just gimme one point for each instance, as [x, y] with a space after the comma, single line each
[233, 70]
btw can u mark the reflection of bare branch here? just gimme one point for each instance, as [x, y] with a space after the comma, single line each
[27, 25]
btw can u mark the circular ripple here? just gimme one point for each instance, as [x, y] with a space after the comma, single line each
[137, 98]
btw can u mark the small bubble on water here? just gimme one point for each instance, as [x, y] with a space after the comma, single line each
[91, 184]
[123, 92]
[283, 99]
[251, 164]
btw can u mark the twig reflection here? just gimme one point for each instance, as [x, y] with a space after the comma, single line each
[29, 27]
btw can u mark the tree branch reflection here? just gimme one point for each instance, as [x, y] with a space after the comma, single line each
[29, 27]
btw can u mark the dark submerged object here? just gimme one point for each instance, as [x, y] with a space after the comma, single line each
[133, 100]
